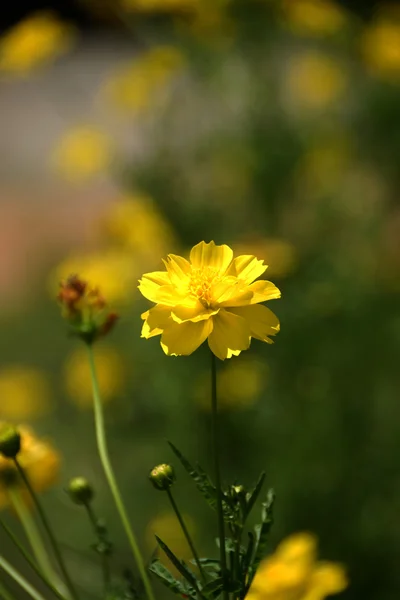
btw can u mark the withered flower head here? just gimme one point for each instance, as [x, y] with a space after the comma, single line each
[85, 309]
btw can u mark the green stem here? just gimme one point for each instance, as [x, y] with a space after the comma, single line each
[33, 535]
[215, 436]
[20, 579]
[30, 560]
[5, 594]
[48, 529]
[101, 538]
[186, 534]
[109, 473]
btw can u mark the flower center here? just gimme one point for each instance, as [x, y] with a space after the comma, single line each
[201, 282]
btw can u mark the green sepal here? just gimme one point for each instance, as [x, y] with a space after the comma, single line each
[179, 564]
[165, 575]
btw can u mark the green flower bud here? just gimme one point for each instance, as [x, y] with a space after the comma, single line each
[80, 491]
[162, 476]
[10, 441]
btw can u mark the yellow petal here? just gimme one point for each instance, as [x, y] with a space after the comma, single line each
[261, 321]
[230, 335]
[151, 282]
[263, 290]
[194, 313]
[247, 268]
[156, 319]
[171, 295]
[231, 292]
[184, 338]
[211, 255]
[299, 547]
[328, 578]
[178, 269]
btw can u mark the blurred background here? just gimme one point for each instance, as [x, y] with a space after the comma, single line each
[135, 128]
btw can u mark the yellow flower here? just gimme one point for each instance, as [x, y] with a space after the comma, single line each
[214, 297]
[293, 573]
[38, 458]
[33, 42]
[149, 6]
[137, 86]
[24, 393]
[166, 526]
[381, 47]
[111, 271]
[314, 17]
[314, 80]
[77, 379]
[83, 152]
[133, 221]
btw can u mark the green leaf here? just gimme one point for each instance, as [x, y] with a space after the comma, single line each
[210, 564]
[213, 588]
[179, 564]
[262, 532]
[176, 586]
[246, 561]
[251, 500]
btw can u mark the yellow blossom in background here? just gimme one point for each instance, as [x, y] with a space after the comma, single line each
[33, 42]
[24, 393]
[162, 6]
[38, 458]
[137, 85]
[166, 526]
[294, 573]
[214, 297]
[280, 253]
[82, 153]
[380, 45]
[314, 80]
[240, 384]
[134, 220]
[110, 371]
[112, 271]
[314, 17]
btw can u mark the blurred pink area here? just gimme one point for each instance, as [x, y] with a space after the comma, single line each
[37, 227]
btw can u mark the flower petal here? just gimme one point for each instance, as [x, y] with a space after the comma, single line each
[194, 313]
[247, 268]
[211, 255]
[170, 295]
[328, 578]
[184, 338]
[230, 335]
[151, 282]
[231, 292]
[156, 319]
[178, 269]
[260, 319]
[263, 290]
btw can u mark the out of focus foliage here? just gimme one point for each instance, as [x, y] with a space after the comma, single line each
[271, 126]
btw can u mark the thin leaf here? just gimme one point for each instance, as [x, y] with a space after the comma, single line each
[176, 586]
[254, 494]
[179, 564]
[262, 532]
[247, 556]
[213, 588]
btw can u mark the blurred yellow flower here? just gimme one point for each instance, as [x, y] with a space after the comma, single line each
[112, 271]
[380, 46]
[138, 84]
[166, 526]
[163, 6]
[82, 153]
[24, 393]
[314, 17]
[77, 379]
[33, 42]
[214, 297]
[293, 573]
[281, 254]
[239, 385]
[38, 458]
[134, 220]
[314, 80]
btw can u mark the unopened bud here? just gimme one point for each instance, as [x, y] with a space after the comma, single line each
[10, 441]
[162, 476]
[80, 491]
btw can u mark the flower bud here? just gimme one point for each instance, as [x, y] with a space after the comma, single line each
[10, 441]
[80, 491]
[162, 476]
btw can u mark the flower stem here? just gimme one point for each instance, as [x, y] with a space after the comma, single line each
[33, 535]
[109, 473]
[48, 529]
[5, 594]
[215, 436]
[186, 533]
[20, 579]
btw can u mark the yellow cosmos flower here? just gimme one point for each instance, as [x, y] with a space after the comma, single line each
[24, 393]
[293, 573]
[214, 297]
[381, 46]
[314, 17]
[82, 153]
[33, 42]
[38, 458]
